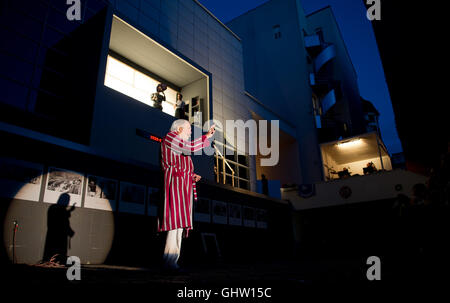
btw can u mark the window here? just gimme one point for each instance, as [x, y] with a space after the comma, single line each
[317, 110]
[276, 31]
[319, 32]
[135, 84]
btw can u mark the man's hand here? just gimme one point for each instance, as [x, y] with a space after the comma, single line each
[211, 131]
[197, 177]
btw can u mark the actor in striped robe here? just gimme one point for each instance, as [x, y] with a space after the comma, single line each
[179, 186]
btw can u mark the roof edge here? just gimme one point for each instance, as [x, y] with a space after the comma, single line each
[217, 19]
[319, 10]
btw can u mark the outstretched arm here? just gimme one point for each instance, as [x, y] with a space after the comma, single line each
[187, 147]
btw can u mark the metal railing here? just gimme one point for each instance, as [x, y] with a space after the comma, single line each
[224, 161]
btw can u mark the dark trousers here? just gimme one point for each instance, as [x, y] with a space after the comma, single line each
[158, 105]
[179, 113]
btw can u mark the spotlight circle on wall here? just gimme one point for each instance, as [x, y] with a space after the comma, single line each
[45, 216]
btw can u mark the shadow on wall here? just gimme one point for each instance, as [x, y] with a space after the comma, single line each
[59, 232]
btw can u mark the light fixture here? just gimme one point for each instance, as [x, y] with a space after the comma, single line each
[349, 143]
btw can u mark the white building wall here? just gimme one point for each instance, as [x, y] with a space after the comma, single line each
[378, 186]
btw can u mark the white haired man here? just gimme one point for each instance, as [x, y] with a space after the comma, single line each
[175, 214]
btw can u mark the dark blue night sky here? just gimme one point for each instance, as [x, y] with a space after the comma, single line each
[360, 40]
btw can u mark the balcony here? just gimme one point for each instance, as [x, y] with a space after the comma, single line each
[328, 101]
[328, 52]
[318, 121]
[312, 41]
[355, 156]
[375, 187]
[320, 80]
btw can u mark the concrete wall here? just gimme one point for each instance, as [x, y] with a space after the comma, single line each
[92, 241]
[116, 118]
[114, 131]
[378, 186]
[288, 169]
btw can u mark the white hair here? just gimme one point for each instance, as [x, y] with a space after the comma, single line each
[177, 124]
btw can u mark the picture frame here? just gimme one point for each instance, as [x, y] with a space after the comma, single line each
[60, 181]
[261, 218]
[219, 212]
[153, 200]
[235, 214]
[202, 210]
[249, 216]
[101, 193]
[131, 198]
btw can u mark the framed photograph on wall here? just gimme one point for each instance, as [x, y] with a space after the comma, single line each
[101, 193]
[20, 179]
[234, 214]
[249, 216]
[132, 198]
[219, 212]
[61, 181]
[261, 218]
[202, 210]
[153, 200]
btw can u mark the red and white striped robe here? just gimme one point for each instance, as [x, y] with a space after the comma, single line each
[179, 184]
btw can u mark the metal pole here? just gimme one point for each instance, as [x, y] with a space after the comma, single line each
[224, 161]
[217, 168]
[379, 151]
[224, 171]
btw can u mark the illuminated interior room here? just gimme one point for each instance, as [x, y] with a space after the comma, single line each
[351, 156]
[136, 64]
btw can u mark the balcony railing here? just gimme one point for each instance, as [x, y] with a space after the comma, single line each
[328, 53]
[318, 121]
[328, 101]
[312, 41]
[224, 161]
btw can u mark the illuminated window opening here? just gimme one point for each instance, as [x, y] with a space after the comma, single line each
[356, 156]
[135, 84]
[138, 63]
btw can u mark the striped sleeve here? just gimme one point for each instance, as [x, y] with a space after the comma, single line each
[186, 147]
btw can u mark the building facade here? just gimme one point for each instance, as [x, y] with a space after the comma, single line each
[81, 129]
[298, 66]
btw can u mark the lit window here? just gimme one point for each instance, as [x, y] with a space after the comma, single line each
[119, 70]
[135, 84]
